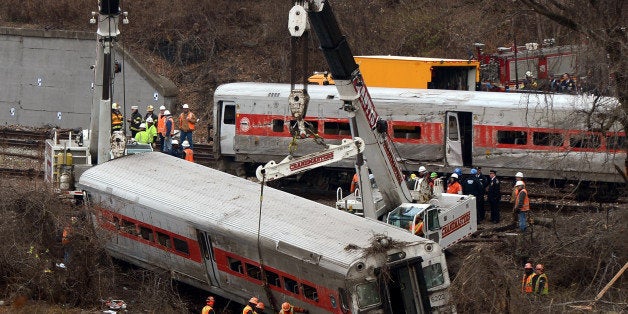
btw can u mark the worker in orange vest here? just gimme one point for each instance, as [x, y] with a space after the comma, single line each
[116, 118]
[286, 308]
[187, 123]
[66, 240]
[526, 280]
[188, 153]
[209, 307]
[249, 308]
[161, 125]
[354, 183]
[522, 205]
[454, 187]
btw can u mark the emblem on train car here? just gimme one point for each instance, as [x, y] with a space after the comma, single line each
[245, 124]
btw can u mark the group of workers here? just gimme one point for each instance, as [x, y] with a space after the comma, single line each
[254, 306]
[478, 185]
[151, 128]
[534, 281]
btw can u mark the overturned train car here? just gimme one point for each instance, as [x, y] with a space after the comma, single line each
[210, 230]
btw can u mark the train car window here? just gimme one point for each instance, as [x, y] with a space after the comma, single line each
[310, 292]
[146, 233]
[128, 227]
[163, 239]
[407, 131]
[336, 128]
[512, 137]
[229, 116]
[585, 141]
[453, 128]
[547, 139]
[253, 271]
[433, 275]
[278, 125]
[272, 278]
[311, 125]
[235, 265]
[181, 246]
[291, 285]
[368, 294]
[615, 142]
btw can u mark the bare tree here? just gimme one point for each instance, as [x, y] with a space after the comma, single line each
[603, 23]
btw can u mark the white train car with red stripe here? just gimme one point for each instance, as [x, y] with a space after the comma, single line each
[547, 136]
[227, 235]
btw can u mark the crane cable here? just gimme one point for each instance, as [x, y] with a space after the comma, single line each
[264, 279]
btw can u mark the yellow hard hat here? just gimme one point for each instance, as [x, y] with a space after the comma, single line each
[149, 108]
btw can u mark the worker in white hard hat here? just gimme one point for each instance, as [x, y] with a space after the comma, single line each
[513, 196]
[522, 205]
[188, 153]
[143, 137]
[423, 172]
[168, 133]
[176, 149]
[116, 118]
[161, 126]
[454, 186]
[187, 124]
[135, 121]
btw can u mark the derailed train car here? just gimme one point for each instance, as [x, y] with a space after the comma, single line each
[226, 235]
[547, 136]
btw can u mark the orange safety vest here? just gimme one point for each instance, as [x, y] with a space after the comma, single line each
[454, 188]
[247, 310]
[526, 283]
[354, 183]
[526, 201]
[206, 309]
[161, 125]
[65, 239]
[418, 228]
[116, 121]
[189, 154]
[185, 124]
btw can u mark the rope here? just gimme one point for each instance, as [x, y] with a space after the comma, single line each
[269, 293]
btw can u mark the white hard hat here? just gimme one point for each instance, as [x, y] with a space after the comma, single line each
[114, 105]
[175, 142]
[142, 125]
[167, 112]
[519, 175]
[149, 120]
[185, 106]
[453, 175]
[528, 73]
[162, 108]
[134, 107]
[519, 183]
[422, 169]
[185, 143]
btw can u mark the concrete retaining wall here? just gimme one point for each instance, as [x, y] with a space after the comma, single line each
[46, 80]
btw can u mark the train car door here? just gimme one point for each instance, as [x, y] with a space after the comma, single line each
[226, 132]
[459, 138]
[207, 253]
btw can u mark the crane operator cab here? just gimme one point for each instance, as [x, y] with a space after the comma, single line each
[410, 216]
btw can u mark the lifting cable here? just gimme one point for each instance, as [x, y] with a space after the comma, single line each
[264, 279]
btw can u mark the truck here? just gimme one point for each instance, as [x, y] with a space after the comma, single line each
[413, 72]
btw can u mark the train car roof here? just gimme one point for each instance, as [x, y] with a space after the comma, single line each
[207, 197]
[427, 96]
